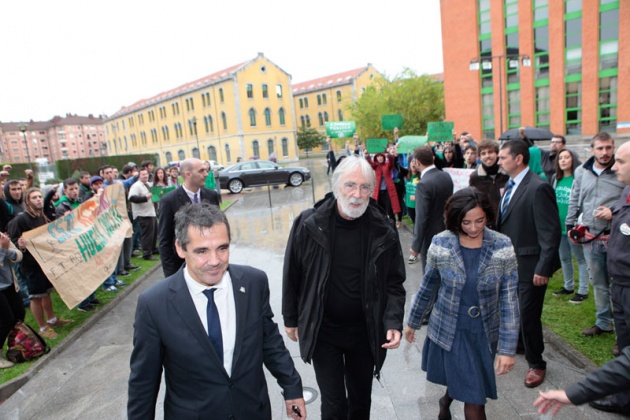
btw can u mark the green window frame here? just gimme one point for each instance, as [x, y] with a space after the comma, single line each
[573, 105]
[543, 115]
[608, 99]
[609, 36]
[514, 105]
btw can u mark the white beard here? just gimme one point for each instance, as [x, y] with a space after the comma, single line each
[353, 212]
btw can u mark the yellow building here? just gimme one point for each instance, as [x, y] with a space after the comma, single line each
[327, 98]
[243, 111]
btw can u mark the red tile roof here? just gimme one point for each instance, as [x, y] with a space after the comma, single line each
[190, 86]
[56, 121]
[338, 79]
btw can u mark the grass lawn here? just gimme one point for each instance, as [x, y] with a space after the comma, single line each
[62, 311]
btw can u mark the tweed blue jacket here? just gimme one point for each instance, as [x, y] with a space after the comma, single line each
[497, 285]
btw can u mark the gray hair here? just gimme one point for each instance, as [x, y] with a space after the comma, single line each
[200, 216]
[350, 164]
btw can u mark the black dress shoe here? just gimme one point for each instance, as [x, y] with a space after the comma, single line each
[610, 405]
[132, 268]
[123, 273]
[150, 258]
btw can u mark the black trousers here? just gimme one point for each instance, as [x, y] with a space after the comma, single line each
[530, 301]
[620, 297]
[344, 366]
[148, 235]
[11, 310]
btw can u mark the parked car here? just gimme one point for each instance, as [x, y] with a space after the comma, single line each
[260, 172]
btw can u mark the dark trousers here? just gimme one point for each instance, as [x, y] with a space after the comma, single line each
[344, 365]
[401, 192]
[148, 237]
[530, 301]
[385, 203]
[11, 310]
[411, 211]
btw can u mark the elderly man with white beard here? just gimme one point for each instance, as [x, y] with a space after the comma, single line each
[343, 295]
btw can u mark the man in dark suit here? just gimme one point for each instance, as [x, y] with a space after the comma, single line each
[434, 188]
[192, 191]
[528, 214]
[210, 328]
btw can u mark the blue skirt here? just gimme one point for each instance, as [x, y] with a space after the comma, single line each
[467, 370]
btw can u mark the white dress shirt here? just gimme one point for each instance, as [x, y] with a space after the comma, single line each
[224, 299]
[191, 194]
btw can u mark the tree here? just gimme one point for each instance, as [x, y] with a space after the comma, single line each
[307, 138]
[419, 99]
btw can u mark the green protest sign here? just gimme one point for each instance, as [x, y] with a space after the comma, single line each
[441, 131]
[376, 145]
[340, 129]
[158, 192]
[406, 144]
[389, 122]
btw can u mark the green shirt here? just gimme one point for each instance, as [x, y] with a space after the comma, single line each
[563, 193]
[410, 186]
[210, 183]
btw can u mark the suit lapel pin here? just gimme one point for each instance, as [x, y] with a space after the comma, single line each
[242, 290]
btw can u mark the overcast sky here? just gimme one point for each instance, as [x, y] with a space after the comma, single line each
[87, 57]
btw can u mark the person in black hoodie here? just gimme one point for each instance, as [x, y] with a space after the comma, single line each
[489, 178]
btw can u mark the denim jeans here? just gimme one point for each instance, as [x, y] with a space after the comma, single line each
[567, 251]
[595, 253]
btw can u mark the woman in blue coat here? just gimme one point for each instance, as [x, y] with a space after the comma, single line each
[473, 272]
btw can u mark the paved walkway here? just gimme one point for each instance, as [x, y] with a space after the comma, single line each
[87, 379]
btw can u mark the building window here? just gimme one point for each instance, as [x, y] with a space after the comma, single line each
[265, 91]
[191, 130]
[256, 148]
[267, 117]
[227, 153]
[279, 91]
[324, 101]
[608, 104]
[487, 103]
[325, 116]
[270, 146]
[321, 118]
[250, 91]
[608, 36]
[308, 120]
[212, 153]
[573, 107]
[207, 120]
[301, 103]
[224, 120]
[541, 52]
[221, 95]
[181, 154]
[281, 116]
[205, 99]
[285, 147]
[319, 99]
[573, 45]
[542, 106]
[169, 157]
[340, 115]
[252, 117]
[338, 96]
[195, 153]
[302, 121]
[514, 108]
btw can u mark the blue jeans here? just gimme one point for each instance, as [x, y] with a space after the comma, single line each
[567, 251]
[595, 253]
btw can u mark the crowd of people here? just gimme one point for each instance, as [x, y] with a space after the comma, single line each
[487, 252]
[24, 207]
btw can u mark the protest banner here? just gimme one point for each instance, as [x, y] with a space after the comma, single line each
[407, 144]
[376, 145]
[78, 251]
[159, 192]
[461, 177]
[340, 129]
[440, 131]
[389, 122]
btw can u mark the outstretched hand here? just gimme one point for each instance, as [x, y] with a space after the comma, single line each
[551, 400]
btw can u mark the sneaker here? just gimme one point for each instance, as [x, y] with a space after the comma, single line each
[4, 363]
[120, 283]
[412, 259]
[563, 291]
[123, 273]
[132, 268]
[95, 302]
[49, 333]
[86, 308]
[136, 253]
[60, 322]
[578, 298]
[111, 289]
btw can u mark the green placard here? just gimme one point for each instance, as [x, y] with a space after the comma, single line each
[158, 192]
[376, 145]
[441, 131]
[407, 144]
[340, 129]
[389, 122]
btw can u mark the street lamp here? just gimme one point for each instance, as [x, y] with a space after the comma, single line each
[28, 154]
[513, 63]
[194, 123]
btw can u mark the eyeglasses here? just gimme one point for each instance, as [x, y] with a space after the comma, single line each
[350, 187]
[556, 141]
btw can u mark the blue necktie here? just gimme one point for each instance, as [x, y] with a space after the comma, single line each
[195, 198]
[506, 198]
[214, 323]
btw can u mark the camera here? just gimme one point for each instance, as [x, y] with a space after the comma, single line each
[578, 232]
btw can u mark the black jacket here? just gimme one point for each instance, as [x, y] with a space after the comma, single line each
[307, 268]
